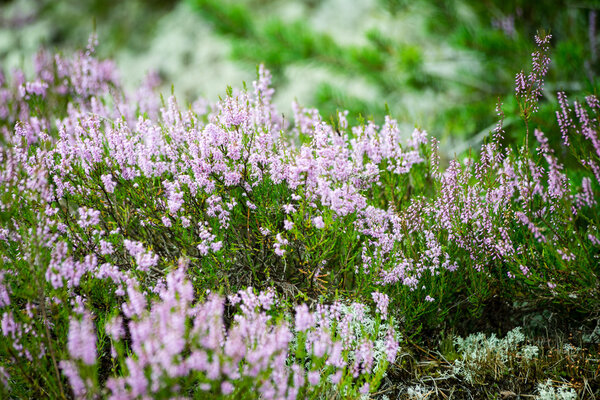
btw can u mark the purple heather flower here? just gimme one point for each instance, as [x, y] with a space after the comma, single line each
[109, 184]
[280, 242]
[144, 259]
[37, 88]
[185, 222]
[289, 208]
[391, 345]
[227, 388]
[382, 301]
[106, 248]
[337, 377]
[82, 339]
[287, 224]
[216, 246]
[88, 217]
[314, 377]
[364, 389]
[304, 318]
[595, 241]
[114, 328]
[4, 290]
[318, 222]
[70, 370]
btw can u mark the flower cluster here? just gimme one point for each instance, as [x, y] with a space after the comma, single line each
[529, 89]
[176, 338]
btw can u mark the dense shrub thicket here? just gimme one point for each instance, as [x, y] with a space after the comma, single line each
[150, 250]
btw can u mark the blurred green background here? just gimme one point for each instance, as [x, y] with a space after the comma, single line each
[440, 65]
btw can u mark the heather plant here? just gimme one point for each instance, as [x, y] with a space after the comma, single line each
[134, 230]
[175, 347]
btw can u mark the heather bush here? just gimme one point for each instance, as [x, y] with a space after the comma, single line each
[133, 231]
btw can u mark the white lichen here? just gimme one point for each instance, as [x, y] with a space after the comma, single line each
[548, 392]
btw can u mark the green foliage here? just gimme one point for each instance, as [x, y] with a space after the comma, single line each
[494, 35]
